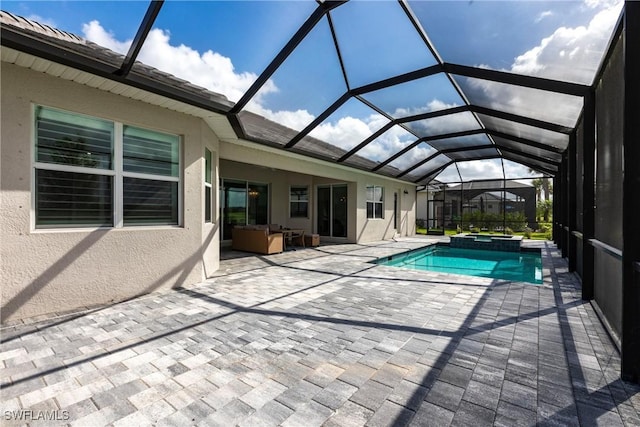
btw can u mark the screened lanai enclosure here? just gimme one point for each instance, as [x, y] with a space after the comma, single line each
[500, 206]
[417, 91]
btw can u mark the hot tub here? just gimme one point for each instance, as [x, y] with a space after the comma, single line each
[487, 242]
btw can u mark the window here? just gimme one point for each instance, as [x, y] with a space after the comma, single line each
[91, 172]
[375, 201]
[207, 185]
[299, 202]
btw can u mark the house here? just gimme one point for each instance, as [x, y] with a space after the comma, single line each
[448, 204]
[119, 179]
[110, 191]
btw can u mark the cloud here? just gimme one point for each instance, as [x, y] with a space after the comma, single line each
[543, 15]
[392, 142]
[597, 4]
[433, 105]
[570, 53]
[449, 174]
[297, 120]
[481, 169]
[94, 32]
[516, 170]
[216, 73]
[413, 157]
[485, 169]
[348, 131]
[209, 69]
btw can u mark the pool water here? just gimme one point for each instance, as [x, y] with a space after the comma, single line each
[515, 266]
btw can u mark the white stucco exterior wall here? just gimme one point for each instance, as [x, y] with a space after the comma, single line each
[422, 204]
[259, 163]
[45, 271]
[59, 270]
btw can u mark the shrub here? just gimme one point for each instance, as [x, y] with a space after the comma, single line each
[543, 228]
[475, 230]
[527, 232]
[420, 223]
[508, 231]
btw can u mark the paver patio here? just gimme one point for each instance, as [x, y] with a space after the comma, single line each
[323, 337]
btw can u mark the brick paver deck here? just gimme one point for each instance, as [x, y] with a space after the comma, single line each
[323, 337]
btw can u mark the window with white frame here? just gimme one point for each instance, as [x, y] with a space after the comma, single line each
[91, 172]
[207, 185]
[299, 201]
[375, 201]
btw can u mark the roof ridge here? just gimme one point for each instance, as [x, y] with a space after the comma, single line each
[8, 18]
[104, 55]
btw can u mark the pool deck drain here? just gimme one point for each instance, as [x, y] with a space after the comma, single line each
[322, 337]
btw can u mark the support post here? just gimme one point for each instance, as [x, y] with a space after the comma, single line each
[444, 209]
[556, 214]
[571, 202]
[461, 205]
[588, 195]
[630, 200]
[504, 206]
[563, 205]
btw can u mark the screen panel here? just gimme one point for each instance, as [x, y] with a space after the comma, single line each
[538, 104]
[367, 31]
[432, 93]
[561, 40]
[527, 149]
[461, 142]
[543, 136]
[443, 124]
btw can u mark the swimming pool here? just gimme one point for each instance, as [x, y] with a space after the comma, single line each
[525, 266]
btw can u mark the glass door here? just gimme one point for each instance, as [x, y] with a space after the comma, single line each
[258, 205]
[339, 198]
[332, 210]
[242, 203]
[324, 211]
[234, 206]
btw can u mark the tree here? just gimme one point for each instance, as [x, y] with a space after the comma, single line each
[543, 187]
[547, 188]
[543, 209]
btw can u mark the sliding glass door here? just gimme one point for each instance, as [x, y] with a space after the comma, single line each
[242, 203]
[332, 210]
[258, 204]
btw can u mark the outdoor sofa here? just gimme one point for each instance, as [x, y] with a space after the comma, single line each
[256, 238]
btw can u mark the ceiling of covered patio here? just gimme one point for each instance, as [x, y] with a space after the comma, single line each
[423, 91]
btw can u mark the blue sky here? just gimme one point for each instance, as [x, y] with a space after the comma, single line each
[225, 45]
[495, 32]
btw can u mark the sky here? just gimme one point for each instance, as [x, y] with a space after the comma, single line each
[225, 45]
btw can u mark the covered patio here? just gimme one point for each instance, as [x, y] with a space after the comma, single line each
[324, 337]
[123, 177]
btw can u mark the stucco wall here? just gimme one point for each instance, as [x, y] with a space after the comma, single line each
[422, 204]
[286, 169]
[45, 271]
